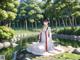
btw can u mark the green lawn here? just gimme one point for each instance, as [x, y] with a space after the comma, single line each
[26, 32]
[65, 56]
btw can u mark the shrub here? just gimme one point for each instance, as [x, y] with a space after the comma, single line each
[69, 31]
[77, 32]
[6, 33]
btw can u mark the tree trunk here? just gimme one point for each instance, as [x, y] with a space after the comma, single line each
[59, 22]
[32, 25]
[35, 25]
[26, 24]
[75, 21]
[70, 21]
[56, 24]
[52, 23]
[63, 22]
[17, 25]
[9, 24]
[66, 22]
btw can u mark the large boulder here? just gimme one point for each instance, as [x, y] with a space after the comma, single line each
[1, 45]
[6, 44]
[76, 51]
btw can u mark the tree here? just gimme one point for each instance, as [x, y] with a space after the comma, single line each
[30, 10]
[8, 10]
[66, 10]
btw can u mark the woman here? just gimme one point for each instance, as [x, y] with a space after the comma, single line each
[45, 43]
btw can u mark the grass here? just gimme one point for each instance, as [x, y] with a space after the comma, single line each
[8, 52]
[29, 33]
[65, 56]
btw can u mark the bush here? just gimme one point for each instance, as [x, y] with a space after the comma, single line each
[69, 31]
[6, 33]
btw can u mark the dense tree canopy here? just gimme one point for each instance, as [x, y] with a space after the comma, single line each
[65, 11]
[8, 9]
[30, 10]
[62, 9]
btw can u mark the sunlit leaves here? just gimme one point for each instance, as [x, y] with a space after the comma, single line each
[77, 6]
[23, 12]
[11, 15]
[77, 13]
[8, 9]
[31, 20]
[10, 5]
[14, 10]
[3, 14]
[39, 16]
[16, 3]
[32, 12]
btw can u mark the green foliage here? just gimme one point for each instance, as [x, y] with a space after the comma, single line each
[30, 10]
[8, 9]
[68, 42]
[64, 56]
[3, 14]
[6, 33]
[69, 31]
[8, 52]
[11, 15]
[15, 10]
[32, 39]
[10, 5]
[16, 3]
[63, 9]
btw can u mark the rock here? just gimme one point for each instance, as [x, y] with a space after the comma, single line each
[21, 54]
[14, 55]
[6, 44]
[76, 51]
[12, 40]
[70, 49]
[14, 44]
[27, 59]
[15, 39]
[1, 46]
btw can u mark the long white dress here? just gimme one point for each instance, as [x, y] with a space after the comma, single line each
[44, 44]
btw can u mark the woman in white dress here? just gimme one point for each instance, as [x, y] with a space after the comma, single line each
[44, 43]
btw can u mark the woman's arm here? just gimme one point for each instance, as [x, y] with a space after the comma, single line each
[49, 33]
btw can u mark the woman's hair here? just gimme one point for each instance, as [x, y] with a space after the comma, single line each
[46, 20]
